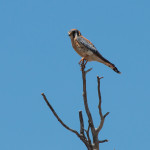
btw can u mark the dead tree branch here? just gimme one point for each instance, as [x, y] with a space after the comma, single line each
[100, 108]
[81, 123]
[103, 141]
[94, 131]
[55, 114]
[94, 144]
[62, 123]
[86, 103]
[88, 136]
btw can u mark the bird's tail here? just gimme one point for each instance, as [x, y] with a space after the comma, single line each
[116, 70]
[109, 64]
[113, 67]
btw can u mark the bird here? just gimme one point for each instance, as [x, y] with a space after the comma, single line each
[87, 50]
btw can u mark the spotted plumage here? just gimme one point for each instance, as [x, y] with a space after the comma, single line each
[87, 50]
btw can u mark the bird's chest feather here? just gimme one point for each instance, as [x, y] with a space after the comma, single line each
[80, 49]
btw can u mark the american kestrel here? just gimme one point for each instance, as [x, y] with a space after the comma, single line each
[87, 50]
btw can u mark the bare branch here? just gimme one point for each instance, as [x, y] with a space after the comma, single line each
[103, 141]
[81, 123]
[86, 103]
[88, 137]
[85, 139]
[63, 124]
[55, 114]
[101, 123]
[100, 126]
[88, 70]
[99, 107]
[99, 95]
[106, 115]
[87, 133]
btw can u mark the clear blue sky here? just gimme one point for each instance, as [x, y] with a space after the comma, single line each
[36, 56]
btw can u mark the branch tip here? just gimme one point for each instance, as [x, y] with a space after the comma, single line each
[106, 114]
[99, 77]
[103, 141]
[88, 70]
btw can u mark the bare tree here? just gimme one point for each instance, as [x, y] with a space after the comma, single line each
[84, 134]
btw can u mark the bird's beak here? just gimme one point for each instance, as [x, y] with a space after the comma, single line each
[68, 33]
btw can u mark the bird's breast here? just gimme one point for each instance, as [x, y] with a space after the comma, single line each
[81, 50]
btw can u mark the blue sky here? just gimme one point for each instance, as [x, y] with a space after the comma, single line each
[36, 56]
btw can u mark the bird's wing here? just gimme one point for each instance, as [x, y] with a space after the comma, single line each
[86, 43]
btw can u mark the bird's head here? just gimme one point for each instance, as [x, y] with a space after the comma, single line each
[73, 33]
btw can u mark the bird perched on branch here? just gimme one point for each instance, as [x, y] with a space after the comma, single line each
[87, 50]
